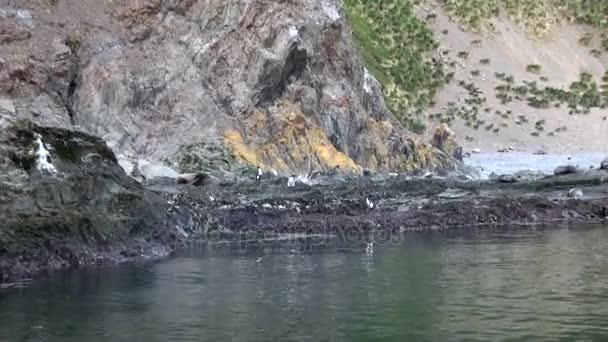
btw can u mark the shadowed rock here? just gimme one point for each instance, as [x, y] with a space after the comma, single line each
[565, 170]
[196, 179]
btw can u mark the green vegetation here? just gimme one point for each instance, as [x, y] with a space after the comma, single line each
[463, 54]
[538, 16]
[580, 96]
[533, 68]
[469, 112]
[73, 41]
[484, 61]
[586, 39]
[397, 48]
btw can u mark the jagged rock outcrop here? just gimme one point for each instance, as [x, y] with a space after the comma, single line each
[444, 139]
[268, 82]
[65, 202]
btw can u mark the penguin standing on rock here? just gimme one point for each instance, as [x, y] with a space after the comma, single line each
[369, 203]
[291, 181]
[258, 177]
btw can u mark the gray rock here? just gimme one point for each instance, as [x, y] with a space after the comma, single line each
[529, 175]
[575, 193]
[24, 17]
[604, 164]
[151, 170]
[506, 179]
[126, 164]
[565, 170]
[112, 212]
[7, 105]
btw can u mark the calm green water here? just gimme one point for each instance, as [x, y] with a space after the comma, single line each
[488, 285]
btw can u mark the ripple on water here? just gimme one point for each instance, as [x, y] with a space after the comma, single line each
[521, 284]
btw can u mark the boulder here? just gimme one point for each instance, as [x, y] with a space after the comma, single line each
[565, 170]
[89, 214]
[529, 175]
[148, 170]
[444, 139]
[604, 164]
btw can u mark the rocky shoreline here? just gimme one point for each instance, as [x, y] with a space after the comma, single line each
[87, 211]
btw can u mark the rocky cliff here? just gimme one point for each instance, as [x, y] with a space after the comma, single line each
[205, 84]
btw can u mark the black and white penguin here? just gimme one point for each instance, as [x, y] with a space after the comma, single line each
[258, 176]
[291, 181]
[369, 203]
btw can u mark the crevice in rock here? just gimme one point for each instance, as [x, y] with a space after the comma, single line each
[67, 97]
[292, 69]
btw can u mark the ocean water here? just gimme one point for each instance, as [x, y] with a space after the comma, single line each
[511, 162]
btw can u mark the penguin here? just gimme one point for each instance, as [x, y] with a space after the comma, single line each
[291, 181]
[369, 203]
[258, 176]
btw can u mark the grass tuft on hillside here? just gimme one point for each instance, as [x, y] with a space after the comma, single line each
[397, 48]
[539, 16]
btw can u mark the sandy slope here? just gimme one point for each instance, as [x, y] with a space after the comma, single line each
[510, 50]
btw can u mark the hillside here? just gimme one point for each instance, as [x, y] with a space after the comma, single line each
[526, 75]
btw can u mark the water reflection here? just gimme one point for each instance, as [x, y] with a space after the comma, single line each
[525, 284]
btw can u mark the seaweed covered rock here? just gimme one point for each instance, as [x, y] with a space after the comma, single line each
[65, 202]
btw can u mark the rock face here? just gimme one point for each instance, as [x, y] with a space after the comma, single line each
[444, 139]
[87, 211]
[266, 82]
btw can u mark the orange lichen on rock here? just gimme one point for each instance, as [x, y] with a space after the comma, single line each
[295, 143]
[240, 149]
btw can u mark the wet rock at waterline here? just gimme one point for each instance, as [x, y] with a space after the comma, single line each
[506, 179]
[66, 202]
[604, 164]
[565, 170]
